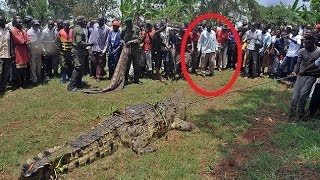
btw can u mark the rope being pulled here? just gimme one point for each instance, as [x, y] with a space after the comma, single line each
[238, 90]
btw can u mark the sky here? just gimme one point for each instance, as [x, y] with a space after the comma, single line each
[275, 2]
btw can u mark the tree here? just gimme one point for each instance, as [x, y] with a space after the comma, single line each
[39, 9]
[315, 7]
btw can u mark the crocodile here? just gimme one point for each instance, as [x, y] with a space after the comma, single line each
[136, 127]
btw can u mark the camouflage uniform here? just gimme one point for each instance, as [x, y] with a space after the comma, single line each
[79, 46]
[134, 53]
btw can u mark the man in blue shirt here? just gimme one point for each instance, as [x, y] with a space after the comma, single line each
[114, 47]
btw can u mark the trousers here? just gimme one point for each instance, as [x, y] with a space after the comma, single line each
[301, 93]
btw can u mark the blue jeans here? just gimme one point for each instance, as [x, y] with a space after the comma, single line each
[289, 62]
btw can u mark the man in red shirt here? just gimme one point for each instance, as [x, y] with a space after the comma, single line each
[222, 38]
[21, 52]
[147, 36]
[194, 38]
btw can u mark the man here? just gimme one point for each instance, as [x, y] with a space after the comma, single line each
[58, 27]
[50, 56]
[157, 49]
[194, 38]
[36, 50]
[79, 47]
[5, 54]
[147, 37]
[306, 57]
[207, 46]
[130, 36]
[264, 58]
[21, 42]
[222, 39]
[114, 47]
[64, 43]
[28, 22]
[314, 70]
[253, 38]
[98, 38]
[177, 49]
[232, 51]
[292, 55]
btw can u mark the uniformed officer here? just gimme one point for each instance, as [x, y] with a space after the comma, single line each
[131, 37]
[79, 46]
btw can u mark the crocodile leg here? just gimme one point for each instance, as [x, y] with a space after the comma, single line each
[182, 125]
[141, 144]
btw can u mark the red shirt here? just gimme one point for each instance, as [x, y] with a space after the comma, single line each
[222, 36]
[147, 44]
[20, 38]
[194, 37]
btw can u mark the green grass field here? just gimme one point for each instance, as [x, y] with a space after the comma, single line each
[243, 135]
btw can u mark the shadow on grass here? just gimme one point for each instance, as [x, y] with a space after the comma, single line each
[226, 123]
[300, 142]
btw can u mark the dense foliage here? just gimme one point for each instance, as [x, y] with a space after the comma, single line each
[174, 10]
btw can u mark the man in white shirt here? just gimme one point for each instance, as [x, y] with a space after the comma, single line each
[37, 49]
[254, 40]
[292, 55]
[5, 54]
[207, 45]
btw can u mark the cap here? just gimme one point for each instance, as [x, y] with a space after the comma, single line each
[116, 23]
[289, 26]
[28, 18]
[35, 22]
[318, 26]
[80, 18]
[129, 19]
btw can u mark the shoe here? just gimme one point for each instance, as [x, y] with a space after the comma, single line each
[137, 82]
[47, 79]
[73, 89]
[63, 81]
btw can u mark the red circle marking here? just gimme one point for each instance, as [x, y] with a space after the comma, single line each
[183, 58]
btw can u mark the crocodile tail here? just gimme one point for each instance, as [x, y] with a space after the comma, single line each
[117, 81]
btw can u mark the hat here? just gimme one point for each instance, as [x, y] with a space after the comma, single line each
[116, 23]
[318, 26]
[35, 22]
[129, 19]
[80, 18]
[289, 26]
[225, 28]
[28, 18]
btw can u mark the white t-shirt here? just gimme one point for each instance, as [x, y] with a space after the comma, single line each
[4, 43]
[293, 47]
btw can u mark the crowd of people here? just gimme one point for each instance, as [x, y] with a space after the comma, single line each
[31, 54]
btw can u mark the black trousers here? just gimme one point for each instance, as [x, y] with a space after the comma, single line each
[232, 55]
[314, 106]
[4, 72]
[251, 63]
[22, 76]
[134, 57]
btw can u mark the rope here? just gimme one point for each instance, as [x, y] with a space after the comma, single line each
[238, 90]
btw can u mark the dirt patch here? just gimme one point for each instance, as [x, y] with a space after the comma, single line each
[259, 136]
[4, 175]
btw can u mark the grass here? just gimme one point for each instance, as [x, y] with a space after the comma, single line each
[33, 120]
